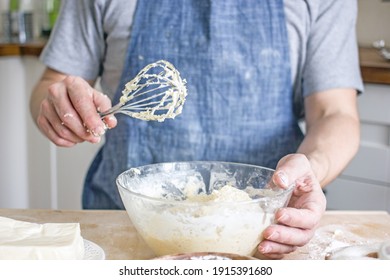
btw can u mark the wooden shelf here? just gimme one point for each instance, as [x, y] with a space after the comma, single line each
[14, 49]
[374, 67]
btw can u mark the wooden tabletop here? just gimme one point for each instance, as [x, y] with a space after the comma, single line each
[115, 234]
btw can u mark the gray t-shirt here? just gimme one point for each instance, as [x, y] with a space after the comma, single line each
[91, 36]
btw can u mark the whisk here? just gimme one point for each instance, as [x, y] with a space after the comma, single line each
[156, 93]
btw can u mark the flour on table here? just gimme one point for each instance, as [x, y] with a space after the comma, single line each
[330, 238]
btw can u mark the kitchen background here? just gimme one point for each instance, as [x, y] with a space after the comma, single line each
[36, 174]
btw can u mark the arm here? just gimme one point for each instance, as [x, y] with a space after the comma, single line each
[65, 109]
[333, 133]
[331, 141]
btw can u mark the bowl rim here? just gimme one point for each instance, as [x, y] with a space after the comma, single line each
[283, 192]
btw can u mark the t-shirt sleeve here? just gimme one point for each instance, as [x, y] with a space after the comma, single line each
[332, 59]
[76, 44]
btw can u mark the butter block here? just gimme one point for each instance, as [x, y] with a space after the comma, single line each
[21, 240]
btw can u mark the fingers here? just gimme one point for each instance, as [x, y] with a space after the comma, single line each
[89, 104]
[288, 235]
[290, 168]
[65, 113]
[103, 103]
[294, 225]
[307, 203]
[280, 240]
[298, 218]
[69, 114]
[56, 134]
[83, 104]
[51, 125]
[273, 250]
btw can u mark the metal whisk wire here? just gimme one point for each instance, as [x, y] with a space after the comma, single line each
[156, 93]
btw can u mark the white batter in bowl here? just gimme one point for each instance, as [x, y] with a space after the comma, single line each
[187, 207]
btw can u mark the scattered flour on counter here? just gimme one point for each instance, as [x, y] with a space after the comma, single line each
[330, 238]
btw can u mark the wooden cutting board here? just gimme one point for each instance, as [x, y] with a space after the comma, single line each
[340, 229]
[113, 231]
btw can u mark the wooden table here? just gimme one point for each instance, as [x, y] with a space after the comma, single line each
[113, 231]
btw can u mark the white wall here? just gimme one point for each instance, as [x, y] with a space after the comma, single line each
[373, 21]
[13, 140]
[33, 172]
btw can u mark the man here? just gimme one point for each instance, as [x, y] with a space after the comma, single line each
[251, 67]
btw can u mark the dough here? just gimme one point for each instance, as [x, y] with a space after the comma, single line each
[156, 93]
[202, 223]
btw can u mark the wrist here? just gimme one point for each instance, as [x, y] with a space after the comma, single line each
[320, 165]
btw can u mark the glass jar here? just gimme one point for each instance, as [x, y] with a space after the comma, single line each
[50, 10]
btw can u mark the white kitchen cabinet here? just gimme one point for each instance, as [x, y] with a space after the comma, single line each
[348, 193]
[13, 141]
[33, 172]
[72, 166]
[365, 183]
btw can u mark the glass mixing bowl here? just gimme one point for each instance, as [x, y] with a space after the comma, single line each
[201, 206]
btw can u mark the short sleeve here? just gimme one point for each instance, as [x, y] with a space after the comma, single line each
[332, 59]
[76, 44]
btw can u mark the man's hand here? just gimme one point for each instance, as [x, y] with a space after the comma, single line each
[295, 224]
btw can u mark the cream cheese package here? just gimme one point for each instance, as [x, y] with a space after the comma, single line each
[21, 240]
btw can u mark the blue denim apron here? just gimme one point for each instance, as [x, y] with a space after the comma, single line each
[235, 58]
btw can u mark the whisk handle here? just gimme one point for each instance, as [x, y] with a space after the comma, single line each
[110, 111]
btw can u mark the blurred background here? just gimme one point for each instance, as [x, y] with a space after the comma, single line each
[36, 174]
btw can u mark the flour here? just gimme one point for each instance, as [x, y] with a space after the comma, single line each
[331, 238]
